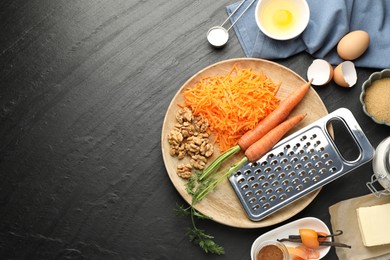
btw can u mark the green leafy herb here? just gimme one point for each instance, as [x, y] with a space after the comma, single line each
[205, 241]
[198, 236]
[181, 211]
[198, 186]
[190, 186]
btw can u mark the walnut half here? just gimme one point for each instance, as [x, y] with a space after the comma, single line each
[184, 115]
[198, 161]
[184, 171]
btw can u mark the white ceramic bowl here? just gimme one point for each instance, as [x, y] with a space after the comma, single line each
[374, 76]
[291, 228]
[301, 17]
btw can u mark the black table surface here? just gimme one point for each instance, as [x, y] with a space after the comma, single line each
[84, 90]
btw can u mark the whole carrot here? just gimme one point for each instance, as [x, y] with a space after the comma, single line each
[264, 144]
[272, 120]
[275, 117]
[253, 153]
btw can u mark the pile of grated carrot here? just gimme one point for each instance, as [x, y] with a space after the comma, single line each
[233, 103]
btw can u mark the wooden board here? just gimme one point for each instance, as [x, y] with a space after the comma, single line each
[222, 205]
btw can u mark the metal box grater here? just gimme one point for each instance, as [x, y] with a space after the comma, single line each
[298, 165]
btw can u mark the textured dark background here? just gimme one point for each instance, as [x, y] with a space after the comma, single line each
[84, 86]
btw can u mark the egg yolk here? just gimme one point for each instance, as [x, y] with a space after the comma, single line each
[282, 17]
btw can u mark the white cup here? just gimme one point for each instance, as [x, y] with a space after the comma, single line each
[282, 19]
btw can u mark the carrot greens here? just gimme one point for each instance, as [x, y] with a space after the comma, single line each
[199, 236]
[196, 189]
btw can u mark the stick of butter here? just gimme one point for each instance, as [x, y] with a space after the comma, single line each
[374, 224]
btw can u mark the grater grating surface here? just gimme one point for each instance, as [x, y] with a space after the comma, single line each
[297, 165]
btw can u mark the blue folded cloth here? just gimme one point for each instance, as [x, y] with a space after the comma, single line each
[329, 22]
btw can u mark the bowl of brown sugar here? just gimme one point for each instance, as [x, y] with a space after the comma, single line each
[375, 97]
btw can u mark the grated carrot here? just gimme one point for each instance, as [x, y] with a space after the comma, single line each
[233, 103]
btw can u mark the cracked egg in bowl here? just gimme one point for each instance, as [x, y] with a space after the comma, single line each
[375, 97]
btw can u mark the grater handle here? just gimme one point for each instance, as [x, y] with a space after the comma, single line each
[365, 147]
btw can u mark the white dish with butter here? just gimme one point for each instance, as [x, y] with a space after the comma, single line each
[293, 229]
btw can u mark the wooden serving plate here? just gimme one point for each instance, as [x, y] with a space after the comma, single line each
[222, 205]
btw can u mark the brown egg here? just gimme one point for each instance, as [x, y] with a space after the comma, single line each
[345, 74]
[353, 45]
[320, 71]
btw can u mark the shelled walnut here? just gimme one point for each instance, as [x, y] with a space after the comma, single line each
[184, 170]
[198, 161]
[189, 137]
[184, 115]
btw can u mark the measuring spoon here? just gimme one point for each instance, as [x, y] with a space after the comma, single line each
[218, 36]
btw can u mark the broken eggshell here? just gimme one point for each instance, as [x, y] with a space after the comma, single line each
[320, 71]
[345, 74]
